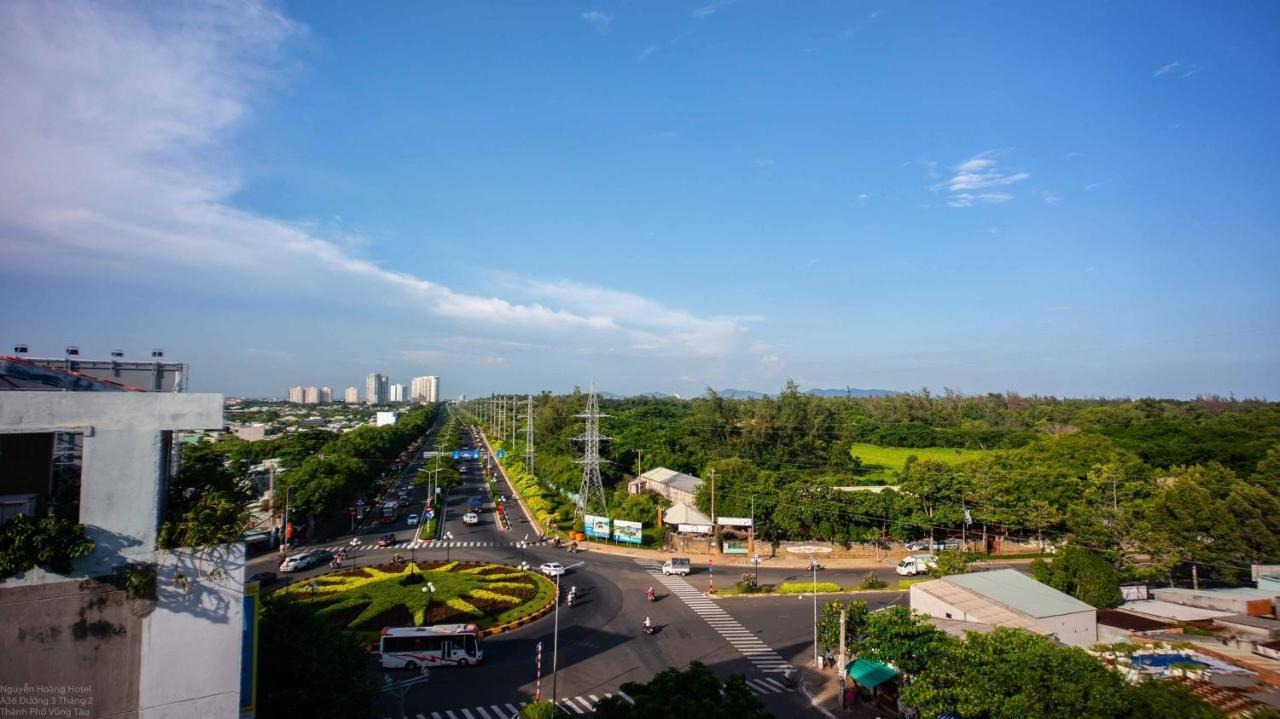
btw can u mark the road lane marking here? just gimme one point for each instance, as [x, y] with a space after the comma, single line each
[572, 706]
[483, 714]
[511, 708]
[466, 714]
[772, 683]
[627, 698]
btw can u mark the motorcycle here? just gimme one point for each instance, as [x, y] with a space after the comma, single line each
[652, 595]
[648, 628]
[335, 563]
[789, 679]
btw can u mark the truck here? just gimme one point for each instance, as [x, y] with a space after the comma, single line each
[474, 503]
[390, 509]
[676, 565]
[916, 564]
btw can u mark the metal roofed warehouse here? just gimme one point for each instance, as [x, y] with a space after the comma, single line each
[1007, 597]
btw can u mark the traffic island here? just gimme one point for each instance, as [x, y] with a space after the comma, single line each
[365, 600]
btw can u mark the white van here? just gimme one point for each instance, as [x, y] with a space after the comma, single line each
[916, 564]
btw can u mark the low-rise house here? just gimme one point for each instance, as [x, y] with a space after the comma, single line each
[678, 487]
[1008, 598]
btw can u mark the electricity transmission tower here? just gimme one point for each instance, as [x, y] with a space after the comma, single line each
[592, 487]
[528, 434]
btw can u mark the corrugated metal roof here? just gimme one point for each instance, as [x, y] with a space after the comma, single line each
[977, 608]
[1017, 591]
[672, 478]
[681, 513]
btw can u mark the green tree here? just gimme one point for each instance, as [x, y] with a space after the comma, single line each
[902, 638]
[1040, 515]
[1083, 574]
[829, 625]
[694, 693]
[937, 491]
[305, 660]
[952, 561]
[1013, 674]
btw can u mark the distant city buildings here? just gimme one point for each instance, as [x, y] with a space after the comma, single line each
[376, 389]
[425, 389]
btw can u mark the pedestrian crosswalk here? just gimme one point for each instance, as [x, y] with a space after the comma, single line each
[428, 544]
[583, 704]
[577, 705]
[738, 636]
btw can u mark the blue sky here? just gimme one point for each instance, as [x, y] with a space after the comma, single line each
[1069, 198]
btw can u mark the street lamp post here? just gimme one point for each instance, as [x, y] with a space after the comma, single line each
[755, 560]
[448, 547]
[814, 566]
[555, 642]
[430, 591]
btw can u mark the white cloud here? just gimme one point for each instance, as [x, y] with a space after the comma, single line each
[864, 196]
[980, 172]
[711, 8]
[646, 52]
[1179, 68]
[597, 20]
[112, 130]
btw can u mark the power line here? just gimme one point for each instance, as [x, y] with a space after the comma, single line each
[592, 485]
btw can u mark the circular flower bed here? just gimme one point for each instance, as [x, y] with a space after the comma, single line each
[370, 598]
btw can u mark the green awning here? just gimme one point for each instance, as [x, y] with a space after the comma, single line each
[869, 673]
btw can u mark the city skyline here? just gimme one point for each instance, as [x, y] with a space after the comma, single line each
[655, 199]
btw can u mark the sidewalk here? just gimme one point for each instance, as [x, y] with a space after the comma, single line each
[823, 690]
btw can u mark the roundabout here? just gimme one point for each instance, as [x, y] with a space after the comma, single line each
[369, 599]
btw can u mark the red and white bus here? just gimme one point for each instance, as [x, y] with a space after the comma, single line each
[442, 645]
[390, 509]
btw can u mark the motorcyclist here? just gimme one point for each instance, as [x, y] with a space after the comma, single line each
[651, 594]
[648, 625]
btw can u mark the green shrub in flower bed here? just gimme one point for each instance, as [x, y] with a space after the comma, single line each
[367, 599]
[807, 587]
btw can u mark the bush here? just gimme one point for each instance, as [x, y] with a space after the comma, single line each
[49, 542]
[747, 584]
[541, 710]
[807, 587]
[871, 580]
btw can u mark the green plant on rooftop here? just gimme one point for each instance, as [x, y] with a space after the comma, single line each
[50, 543]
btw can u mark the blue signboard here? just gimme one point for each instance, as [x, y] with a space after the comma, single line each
[629, 532]
[502, 453]
[457, 453]
[594, 526]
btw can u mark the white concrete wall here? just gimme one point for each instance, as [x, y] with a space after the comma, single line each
[1074, 630]
[922, 601]
[191, 643]
[123, 456]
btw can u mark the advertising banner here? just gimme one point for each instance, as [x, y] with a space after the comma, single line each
[693, 528]
[734, 521]
[625, 531]
[594, 526]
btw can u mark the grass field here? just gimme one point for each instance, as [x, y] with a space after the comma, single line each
[884, 463]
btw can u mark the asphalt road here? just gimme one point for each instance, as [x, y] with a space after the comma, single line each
[600, 644]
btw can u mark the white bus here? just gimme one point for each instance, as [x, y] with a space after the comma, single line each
[442, 645]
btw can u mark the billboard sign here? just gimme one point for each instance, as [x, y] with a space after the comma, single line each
[693, 528]
[734, 521]
[595, 526]
[502, 453]
[628, 532]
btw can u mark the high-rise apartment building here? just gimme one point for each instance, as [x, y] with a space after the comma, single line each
[326, 395]
[311, 396]
[398, 393]
[297, 395]
[352, 396]
[376, 388]
[425, 389]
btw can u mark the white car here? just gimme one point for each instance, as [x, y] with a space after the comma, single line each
[552, 569]
[412, 520]
[470, 518]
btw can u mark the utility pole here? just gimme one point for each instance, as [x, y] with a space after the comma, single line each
[592, 485]
[840, 667]
[715, 526]
[639, 467]
[528, 434]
